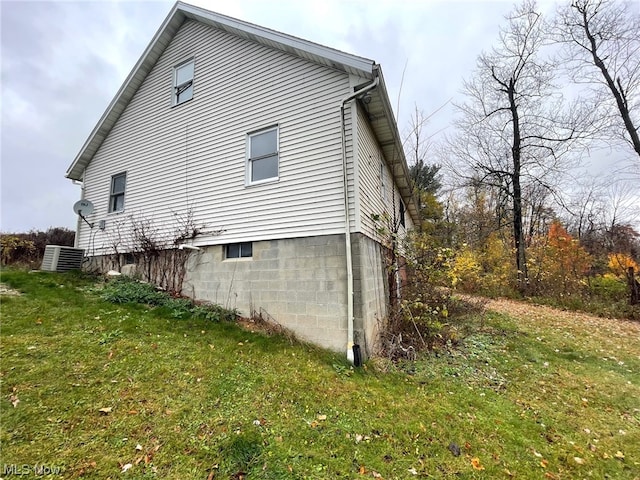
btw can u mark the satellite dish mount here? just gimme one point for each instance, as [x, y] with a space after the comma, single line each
[82, 208]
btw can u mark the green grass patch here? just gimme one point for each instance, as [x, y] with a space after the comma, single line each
[120, 390]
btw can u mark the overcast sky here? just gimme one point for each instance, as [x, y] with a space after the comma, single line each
[62, 63]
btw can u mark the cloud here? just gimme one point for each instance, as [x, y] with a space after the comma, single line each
[61, 65]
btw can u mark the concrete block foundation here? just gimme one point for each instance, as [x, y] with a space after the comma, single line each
[301, 283]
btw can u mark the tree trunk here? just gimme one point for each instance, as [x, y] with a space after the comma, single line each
[634, 287]
[518, 235]
[618, 93]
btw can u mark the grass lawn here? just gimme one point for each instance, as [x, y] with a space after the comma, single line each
[99, 390]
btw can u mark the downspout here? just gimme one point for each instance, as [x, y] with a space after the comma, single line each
[347, 228]
[76, 239]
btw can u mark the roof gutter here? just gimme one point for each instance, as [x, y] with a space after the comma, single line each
[347, 227]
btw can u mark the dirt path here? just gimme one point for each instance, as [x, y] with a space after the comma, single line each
[604, 335]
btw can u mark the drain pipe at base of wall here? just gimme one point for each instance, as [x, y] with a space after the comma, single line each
[351, 356]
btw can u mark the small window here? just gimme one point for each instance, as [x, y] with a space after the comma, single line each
[401, 212]
[183, 83]
[239, 250]
[262, 156]
[383, 186]
[116, 199]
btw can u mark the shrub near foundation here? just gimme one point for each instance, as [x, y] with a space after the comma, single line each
[128, 290]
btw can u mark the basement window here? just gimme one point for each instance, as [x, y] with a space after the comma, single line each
[183, 82]
[239, 250]
[116, 197]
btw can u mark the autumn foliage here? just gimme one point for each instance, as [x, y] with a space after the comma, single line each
[619, 264]
[558, 263]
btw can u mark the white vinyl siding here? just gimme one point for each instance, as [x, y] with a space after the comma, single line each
[374, 176]
[195, 154]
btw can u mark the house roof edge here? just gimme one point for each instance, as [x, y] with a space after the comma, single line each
[330, 57]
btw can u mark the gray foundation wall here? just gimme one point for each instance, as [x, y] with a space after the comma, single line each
[370, 291]
[301, 283]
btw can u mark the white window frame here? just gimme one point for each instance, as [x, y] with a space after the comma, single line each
[241, 246]
[249, 161]
[113, 195]
[175, 91]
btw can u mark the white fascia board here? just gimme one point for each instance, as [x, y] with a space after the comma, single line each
[124, 94]
[355, 62]
[164, 34]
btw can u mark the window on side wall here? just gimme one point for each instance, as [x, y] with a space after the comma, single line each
[262, 156]
[183, 82]
[401, 212]
[383, 186]
[239, 250]
[116, 197]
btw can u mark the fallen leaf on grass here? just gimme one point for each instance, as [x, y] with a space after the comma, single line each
[476, 463]
[413, 471]
[126, 467]
[105, 410]
[619, 455]
[578, 460]
[81, 471]
[14, 400]
[544, 463]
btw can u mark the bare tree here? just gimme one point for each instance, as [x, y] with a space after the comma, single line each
[602, 49]
[513, 132]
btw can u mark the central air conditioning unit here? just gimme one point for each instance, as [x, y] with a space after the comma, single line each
[58, 258]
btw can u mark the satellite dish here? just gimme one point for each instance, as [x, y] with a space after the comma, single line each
[83, 207]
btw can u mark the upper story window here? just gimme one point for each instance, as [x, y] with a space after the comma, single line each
[116, 197]
[262, 156]
[183, 82]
